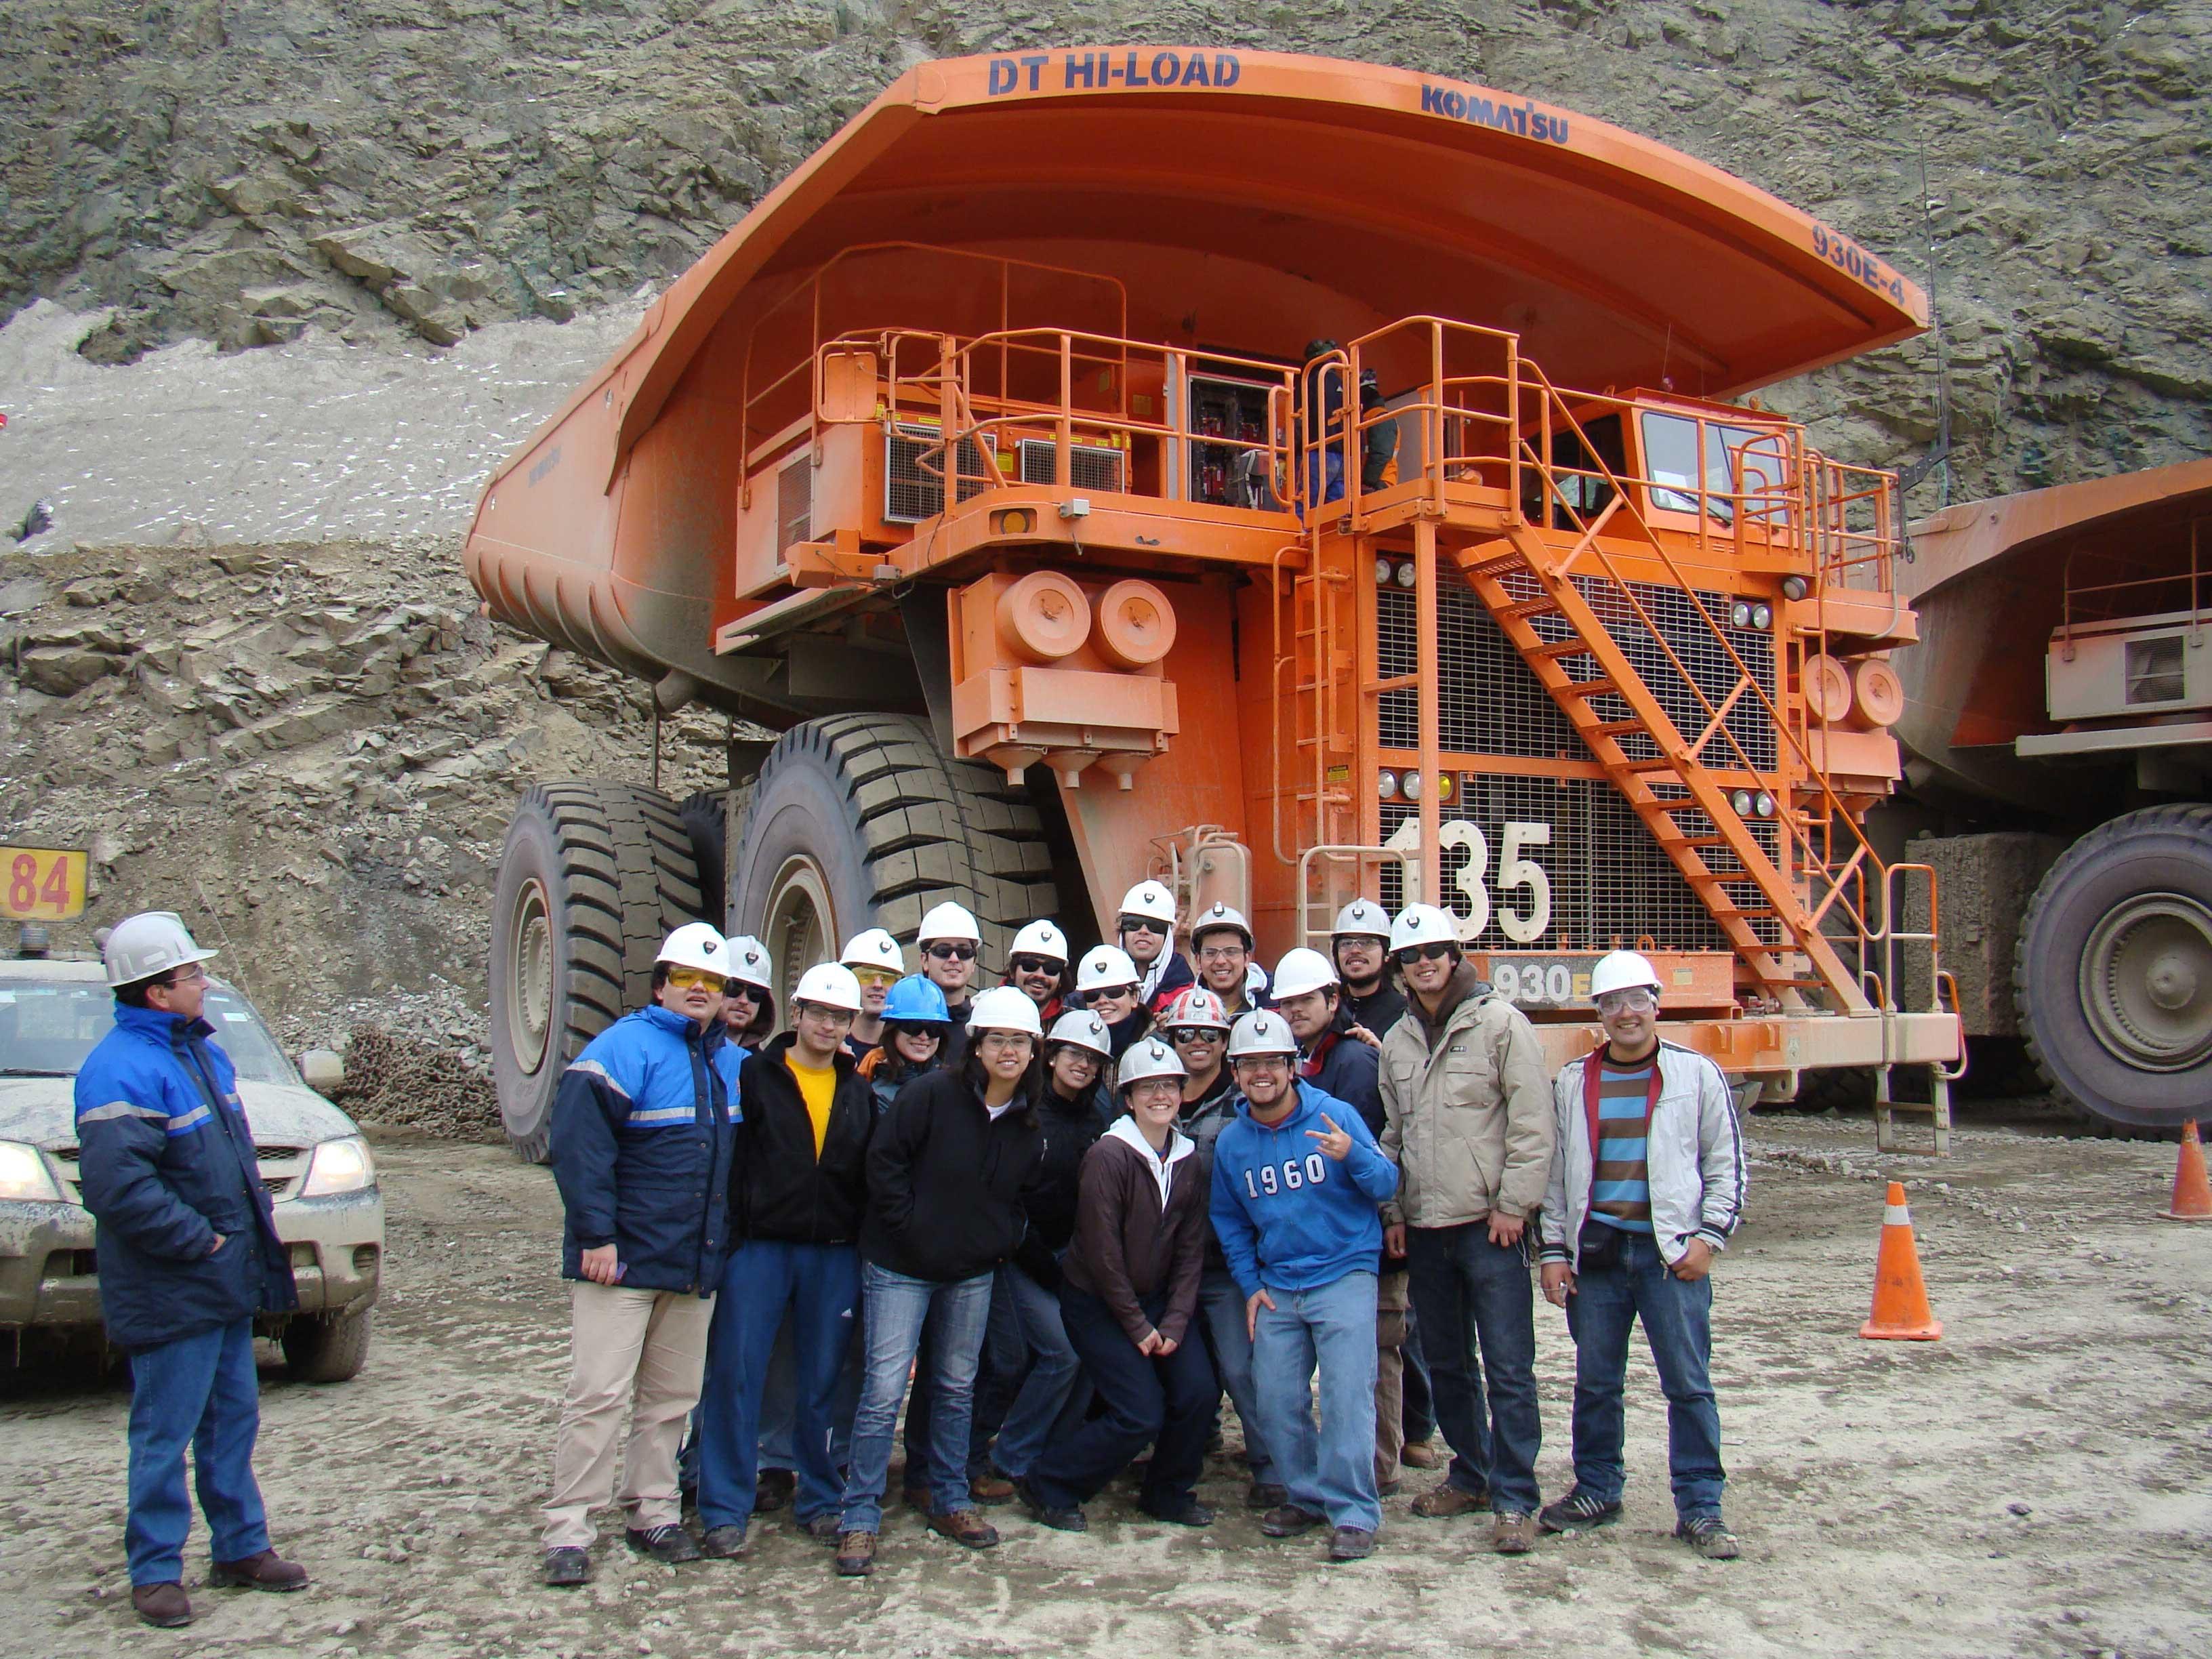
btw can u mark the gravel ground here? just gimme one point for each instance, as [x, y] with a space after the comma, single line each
[2038, 1483]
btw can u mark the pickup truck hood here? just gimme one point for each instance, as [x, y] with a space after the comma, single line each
[42, 1110]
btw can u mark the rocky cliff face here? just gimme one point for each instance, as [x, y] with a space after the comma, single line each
[389, 169]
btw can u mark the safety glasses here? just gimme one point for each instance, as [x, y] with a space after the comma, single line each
[1223, 953]
[945, 952]
[694, 979]
[870, 978]
[1636, 999]
[1436, 951]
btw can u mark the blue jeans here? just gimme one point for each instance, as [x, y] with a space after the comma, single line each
[817, 1286]
[1332, 1325]
[897, 1308]
[1221, 1312]
[1677, 1323]
[778, 1423]
[198, 1389]
[1053, 1396]
[1466, 1289]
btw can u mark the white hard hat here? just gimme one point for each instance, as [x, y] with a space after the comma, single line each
[1085, 1031]
[874, 949]
[152, 942]
[1423, 924]
[1150, 900]
[1193, 1006]
[696, 945]
[1621, 971]
[1105, 964]
[748, 960]
[830, 984]
[1262, 1031]
[1218, 917]
[1040, 939]
[1003, 1008]
[1364, 918]
[950, 921]
[1151, 1058]
[1303, 970]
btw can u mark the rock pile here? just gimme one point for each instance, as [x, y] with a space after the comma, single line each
[409, 1084]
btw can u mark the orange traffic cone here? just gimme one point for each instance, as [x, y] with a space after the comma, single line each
[2192, 1196]
[1900, 1298]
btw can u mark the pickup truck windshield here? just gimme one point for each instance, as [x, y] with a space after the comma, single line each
[47, 1027]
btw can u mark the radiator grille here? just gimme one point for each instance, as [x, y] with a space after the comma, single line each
[913, 482]
[1090, 466]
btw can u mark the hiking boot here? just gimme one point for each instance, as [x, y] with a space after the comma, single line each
[1578, 1512]
[166, 1605]
[263, 1570]
[1707, 1536]
[1189, 1513]
[856, 1555]
[1266, 1495]
[1512, 1533]
[1288, 1521]
[823, 1529]
[1421, 1455]
[991, 1488]
[773, 1491]
[567, 1567]
[722, 1543]
[1351, 1544]
[1446, 1501]
[964, 1527]
[1068, 1519]
[667, 1544]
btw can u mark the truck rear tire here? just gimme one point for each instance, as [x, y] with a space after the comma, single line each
[859, 821]
[704, 820]
[2113, 978]
[326, 1347]
[594, 876]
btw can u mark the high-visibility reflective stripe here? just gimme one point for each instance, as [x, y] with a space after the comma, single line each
[199, 1118]
[116, 1109]
[592, 1068]
[664, 1115]
[1896, 1215]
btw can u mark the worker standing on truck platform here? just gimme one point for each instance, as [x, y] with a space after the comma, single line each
[801, 1183]
[1378, 444]
[1321, 392]
[1146, 929]
[1221, 939]
[1361, 945]
[643, 1133]
[947, 944]
[1107, 982]
[1646, 1184]
[877, 963]
[188, 1255]
[945, 1174]
[1036, 966]
[1298, 1181]
[1470, 1110]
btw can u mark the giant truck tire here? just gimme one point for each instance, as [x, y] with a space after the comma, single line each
[704, 821]
[860, 821]
[593, 878]
[2113, 978]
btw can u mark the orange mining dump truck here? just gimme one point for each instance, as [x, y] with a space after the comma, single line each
[1159, 461]
[2060, 703]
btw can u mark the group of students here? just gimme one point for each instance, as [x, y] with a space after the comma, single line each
[1078, 1207]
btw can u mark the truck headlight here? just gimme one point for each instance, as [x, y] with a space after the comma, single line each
[24, 1176]
[338, 1166]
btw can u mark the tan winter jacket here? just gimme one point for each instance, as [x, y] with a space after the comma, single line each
[1470, 1121]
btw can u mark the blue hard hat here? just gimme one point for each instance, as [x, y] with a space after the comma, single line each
[915, 997]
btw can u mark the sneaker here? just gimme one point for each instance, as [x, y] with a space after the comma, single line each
[667, 1544]
[1706, 1535]
[1421, 1455]
[992, 1487]
[169, 1606]
[1512, 1533]
[1351, 1544]
[856, 1555]
[773, 1491]
[266, 1570]
[1288, 1521]
[567, 1567]
[722, 1543]
[1189, 1513]
[1578, 1512]
[964, 1527]
[1068, 1519]
[1266, 1495]
[1444, 1502]
[824, 1529]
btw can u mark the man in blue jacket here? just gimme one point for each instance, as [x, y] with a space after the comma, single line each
[188, 1255]
[1297, 1179]
[643, 1134]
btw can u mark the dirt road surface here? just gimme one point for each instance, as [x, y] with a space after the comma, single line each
[2038, 1483]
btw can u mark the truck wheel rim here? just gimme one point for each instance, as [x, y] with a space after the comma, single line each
[2147, 981]
[530, 986]
[798, 923]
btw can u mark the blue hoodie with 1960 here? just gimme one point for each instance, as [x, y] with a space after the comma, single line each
[1288, 1215]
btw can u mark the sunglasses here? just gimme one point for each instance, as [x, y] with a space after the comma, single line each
[1035, 965]
[1113, 993]
[1190, 1034]
[1436, 951]
[871, 977]
[952, 952]
[1145, 924]
[695, 979]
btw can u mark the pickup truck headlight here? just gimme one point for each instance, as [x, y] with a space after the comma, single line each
[338, 1166]
[24, 1175]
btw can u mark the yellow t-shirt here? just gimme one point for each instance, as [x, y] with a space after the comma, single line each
[817, 1089]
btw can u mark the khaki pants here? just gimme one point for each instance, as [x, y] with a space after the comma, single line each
[643, 1349]
[1391, 1296]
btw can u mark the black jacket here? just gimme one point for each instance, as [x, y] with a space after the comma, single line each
[1379, 1010]
[784, 1191]
[1071, 1129]
[945, 1181]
